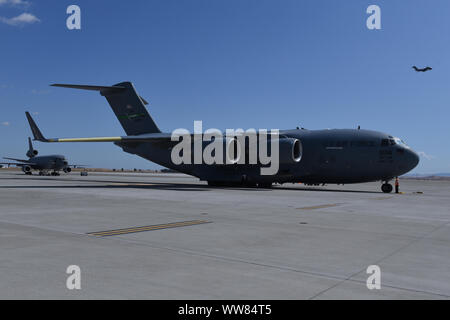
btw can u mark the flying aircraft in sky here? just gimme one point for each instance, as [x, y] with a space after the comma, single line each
[422, 69]
[338, 156]
[46, 165]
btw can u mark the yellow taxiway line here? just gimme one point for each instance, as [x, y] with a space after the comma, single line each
[147, 228]
[320, 206]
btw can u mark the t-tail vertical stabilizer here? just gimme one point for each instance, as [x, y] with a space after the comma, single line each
[127, 105]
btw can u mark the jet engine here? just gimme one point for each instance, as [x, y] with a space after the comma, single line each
[291, 150]
[67, 169]
[32, 153]
[231, 149]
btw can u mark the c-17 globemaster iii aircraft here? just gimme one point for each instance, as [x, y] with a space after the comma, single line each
[46, 165]
[338, 156]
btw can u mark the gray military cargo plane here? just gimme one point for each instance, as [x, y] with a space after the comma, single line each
[47, 165]
[313, 157]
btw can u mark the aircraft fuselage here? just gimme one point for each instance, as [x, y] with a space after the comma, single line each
[338, 156]
[50, 162]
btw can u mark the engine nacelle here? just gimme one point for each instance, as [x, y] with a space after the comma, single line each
[32, 153]
[26, 169]
[231, 151]
[67, 169]
[291, 150]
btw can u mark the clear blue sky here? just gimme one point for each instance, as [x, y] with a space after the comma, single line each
[232, 64]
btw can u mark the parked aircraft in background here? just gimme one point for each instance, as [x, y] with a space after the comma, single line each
[46, 165]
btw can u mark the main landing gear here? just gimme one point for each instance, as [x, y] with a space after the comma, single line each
[386, 187]
[243, 184]
[46, 173]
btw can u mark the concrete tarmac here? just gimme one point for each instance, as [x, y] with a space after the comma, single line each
[169, 236]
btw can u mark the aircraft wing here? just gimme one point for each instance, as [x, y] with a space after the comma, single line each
[38, 136]
[108, 139]
[81, 166]
[148, 137]
[18, 164]
[20, 160]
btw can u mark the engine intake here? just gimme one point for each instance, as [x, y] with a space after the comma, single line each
[231, 151]
[291, 150]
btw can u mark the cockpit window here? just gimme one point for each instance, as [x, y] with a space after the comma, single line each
[400, 142]
[393, 142]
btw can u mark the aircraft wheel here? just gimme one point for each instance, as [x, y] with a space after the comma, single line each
[265, 185]
[386, 188]
[224, 184]
[250, 185]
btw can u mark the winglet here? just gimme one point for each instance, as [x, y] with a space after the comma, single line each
[37, 134]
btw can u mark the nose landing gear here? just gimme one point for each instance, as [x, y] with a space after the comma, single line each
[386, 187]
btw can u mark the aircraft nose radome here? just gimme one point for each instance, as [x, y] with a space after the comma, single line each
[413, 158]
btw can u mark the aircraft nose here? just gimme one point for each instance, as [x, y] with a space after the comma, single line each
[413, 158]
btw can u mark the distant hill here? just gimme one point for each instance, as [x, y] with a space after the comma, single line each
[432, 176]
[421, 175]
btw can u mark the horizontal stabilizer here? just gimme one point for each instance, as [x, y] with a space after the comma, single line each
[102, 89]
[110, 89]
